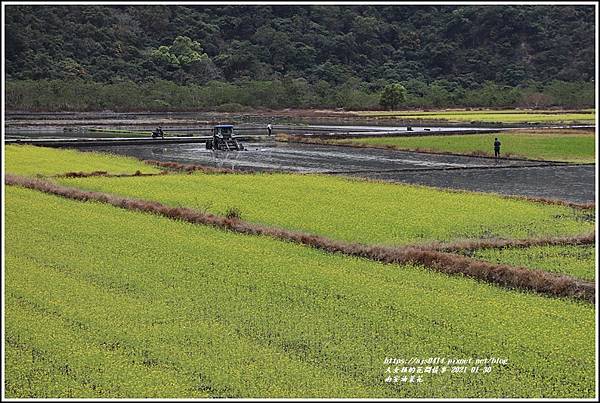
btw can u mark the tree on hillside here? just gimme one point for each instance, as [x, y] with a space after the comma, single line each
[464, 44]
[184, 61]
[392, 96]
[184, 51]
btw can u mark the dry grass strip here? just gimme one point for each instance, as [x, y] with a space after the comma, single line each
[105, 174]
[504, 275]
[176, 166]
[471, 245]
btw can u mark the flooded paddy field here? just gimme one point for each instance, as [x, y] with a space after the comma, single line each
[305, 158]
[17, 121]
[202, 129]
[562, 181]
[530, 178]
[573, 183]
[260, 117]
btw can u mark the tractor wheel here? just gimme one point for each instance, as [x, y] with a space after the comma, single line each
[209, 144]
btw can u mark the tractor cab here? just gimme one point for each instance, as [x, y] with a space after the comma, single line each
[223, 138]
[223, 131]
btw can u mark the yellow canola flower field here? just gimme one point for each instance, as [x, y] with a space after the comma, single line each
[31, 160]
[352, 210]
[104, 302]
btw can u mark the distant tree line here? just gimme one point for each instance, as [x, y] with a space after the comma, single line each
[299, 56]
[163, 95]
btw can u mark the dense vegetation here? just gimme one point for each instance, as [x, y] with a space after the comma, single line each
[376, 213]
[190, 57]
[105, 310]
[556, 146]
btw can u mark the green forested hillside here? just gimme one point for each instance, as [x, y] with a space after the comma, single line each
[442, 54]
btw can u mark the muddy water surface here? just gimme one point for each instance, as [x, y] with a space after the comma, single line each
[569, 182]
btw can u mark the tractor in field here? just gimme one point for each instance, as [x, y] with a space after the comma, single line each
[223, 138]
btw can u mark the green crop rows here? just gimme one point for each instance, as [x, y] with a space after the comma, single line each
[577, 261]
[137, 305]
[560, 146]
[30, 160]
[488, 116]
[352, 210]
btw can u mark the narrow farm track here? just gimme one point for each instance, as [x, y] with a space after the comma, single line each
[503, 275]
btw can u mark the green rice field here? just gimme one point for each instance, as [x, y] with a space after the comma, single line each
[377, 212]
[577, 261]
[568, 146]
[490, 116]
[104, 302]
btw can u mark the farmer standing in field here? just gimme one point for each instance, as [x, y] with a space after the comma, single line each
[270, 128]
[497, 147]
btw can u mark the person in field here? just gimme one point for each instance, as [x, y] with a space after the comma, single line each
[270, 128]
[158, 133]
[497, 147]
